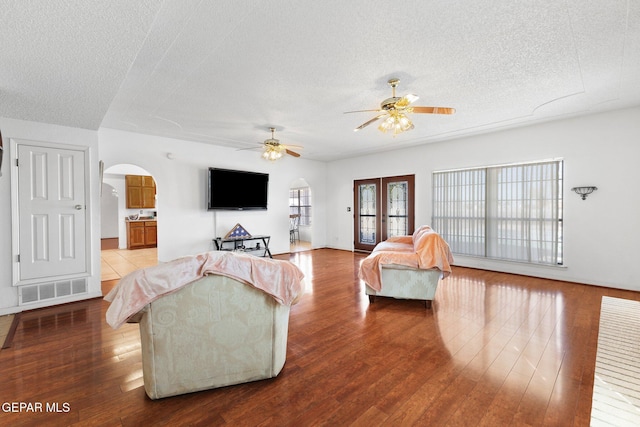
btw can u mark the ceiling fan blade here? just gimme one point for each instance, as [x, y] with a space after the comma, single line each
[406, 100]
[251, 148]
[363, 111]
[434, 110]
[291, 153]
[298, 147]
[367, 123]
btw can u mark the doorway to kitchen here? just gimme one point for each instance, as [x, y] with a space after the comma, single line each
[121, 220]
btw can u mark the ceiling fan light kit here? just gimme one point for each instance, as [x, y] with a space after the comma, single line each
[396, 122]
[394, 112]
[274, 150]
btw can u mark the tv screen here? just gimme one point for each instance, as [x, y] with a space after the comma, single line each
[237, 190]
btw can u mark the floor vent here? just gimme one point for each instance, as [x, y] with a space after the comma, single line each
[47, 291]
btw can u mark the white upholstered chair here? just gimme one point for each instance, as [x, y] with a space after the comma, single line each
[211, 333]
[407, 283]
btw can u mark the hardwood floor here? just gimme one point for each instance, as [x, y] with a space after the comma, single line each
[496, 349]
[299, 246]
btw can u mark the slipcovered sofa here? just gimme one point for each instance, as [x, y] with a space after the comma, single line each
[407, 267]
[217, 330]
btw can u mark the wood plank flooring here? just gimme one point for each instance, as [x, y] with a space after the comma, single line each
[495, 350]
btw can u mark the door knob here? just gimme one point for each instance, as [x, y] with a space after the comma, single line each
[78, 207]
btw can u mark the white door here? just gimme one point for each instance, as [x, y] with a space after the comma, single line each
[51, 206]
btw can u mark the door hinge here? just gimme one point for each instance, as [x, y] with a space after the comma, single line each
[17, 162]
[18, 258]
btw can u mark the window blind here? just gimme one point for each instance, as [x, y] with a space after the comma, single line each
[510, 212]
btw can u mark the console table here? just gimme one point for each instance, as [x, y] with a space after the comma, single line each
[254, 244]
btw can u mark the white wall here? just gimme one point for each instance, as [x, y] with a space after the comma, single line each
[184, 225]
[600, 233]
[32, 131]
[108, 211]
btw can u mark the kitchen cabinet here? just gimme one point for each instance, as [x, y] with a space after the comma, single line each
[140, 191]
[142, 234]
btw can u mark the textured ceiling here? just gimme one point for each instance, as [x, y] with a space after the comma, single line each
[223, 72]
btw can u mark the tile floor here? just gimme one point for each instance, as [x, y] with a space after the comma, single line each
[120, 262]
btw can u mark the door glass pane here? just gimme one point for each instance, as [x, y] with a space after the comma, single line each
[397, 208]
[367, 198]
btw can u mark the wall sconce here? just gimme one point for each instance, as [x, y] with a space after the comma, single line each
[584, 191]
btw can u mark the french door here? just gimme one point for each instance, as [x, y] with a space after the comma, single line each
[383, 207]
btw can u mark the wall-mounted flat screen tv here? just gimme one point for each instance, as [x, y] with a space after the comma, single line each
[237, 190]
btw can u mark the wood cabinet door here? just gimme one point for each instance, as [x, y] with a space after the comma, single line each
[148, 196]
[136, 234]
[134, 197]
[133, 180]
[150, 234]
[148, 192]
[141, 192]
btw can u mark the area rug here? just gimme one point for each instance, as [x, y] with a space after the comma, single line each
[5, 328]
[616, 388]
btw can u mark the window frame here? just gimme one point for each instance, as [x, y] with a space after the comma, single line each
[469, 211]
[304, 210]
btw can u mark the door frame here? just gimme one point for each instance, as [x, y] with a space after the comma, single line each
[411, 202]
[381, 208]
[15, 224]
[357, 246]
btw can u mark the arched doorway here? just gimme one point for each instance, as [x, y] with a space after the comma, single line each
[300, 216]
[118, 259]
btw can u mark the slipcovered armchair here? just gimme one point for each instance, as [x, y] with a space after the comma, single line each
[212, 333]
[407, 267]
[207, 321]
[406, 283]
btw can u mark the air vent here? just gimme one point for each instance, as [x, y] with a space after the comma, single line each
[51, 291]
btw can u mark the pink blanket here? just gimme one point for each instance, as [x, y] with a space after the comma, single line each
[280, 279]
[424, 250]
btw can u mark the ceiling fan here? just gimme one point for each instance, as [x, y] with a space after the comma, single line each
[394, 112]
[273, 149]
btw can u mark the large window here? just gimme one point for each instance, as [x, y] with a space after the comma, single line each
[511, 212]
[300, 204]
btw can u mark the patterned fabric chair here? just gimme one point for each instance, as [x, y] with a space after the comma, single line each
[407, 283]
[211, 333]
[407, 267]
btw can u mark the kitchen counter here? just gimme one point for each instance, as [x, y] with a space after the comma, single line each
[141, 219]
